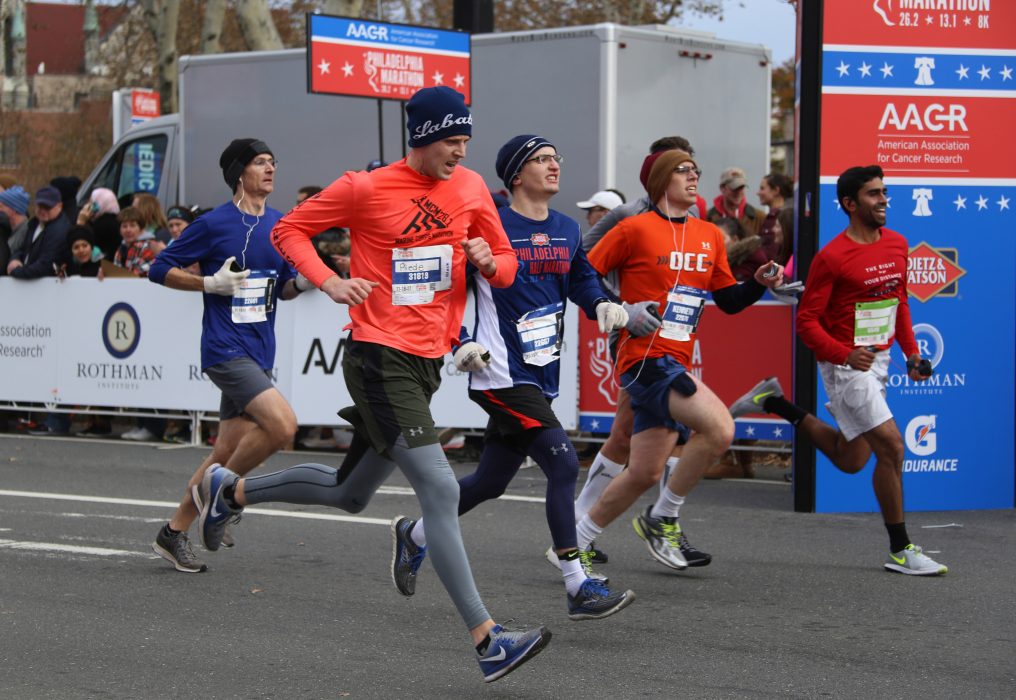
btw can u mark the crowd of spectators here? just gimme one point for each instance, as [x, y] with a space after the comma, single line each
[123, 236]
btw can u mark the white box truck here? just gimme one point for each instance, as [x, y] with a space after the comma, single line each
[600, 93]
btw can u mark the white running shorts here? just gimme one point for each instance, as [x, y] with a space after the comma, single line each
[856, 398]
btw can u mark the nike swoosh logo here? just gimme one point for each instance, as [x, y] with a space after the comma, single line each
[900, 560]
[500, 656]
[599, 470]
[760, 397]
[215, 512]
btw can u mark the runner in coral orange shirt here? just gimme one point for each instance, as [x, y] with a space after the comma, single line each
[413, 226]
[673, 260]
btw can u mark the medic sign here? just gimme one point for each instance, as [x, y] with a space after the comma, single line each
[348, 56]
[145, 105]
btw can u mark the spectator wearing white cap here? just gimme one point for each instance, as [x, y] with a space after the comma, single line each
[597, 206]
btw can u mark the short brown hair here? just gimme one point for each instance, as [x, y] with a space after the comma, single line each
[131, 214]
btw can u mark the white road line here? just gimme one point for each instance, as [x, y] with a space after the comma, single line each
[71, 549]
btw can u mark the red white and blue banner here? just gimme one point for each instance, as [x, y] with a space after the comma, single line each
[348, 56]
[927, 90]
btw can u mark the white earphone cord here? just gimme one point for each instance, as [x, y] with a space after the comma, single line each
[677, 280]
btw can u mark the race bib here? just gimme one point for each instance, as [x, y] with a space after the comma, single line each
[419, 272]
[875, 322]
[682, 314]
[253, 301]
[540, 334]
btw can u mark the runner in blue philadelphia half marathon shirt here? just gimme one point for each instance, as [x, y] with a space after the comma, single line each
[215, 236]
[522, 325]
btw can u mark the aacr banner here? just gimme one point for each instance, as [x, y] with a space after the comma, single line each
[925, 96]
[132, 344]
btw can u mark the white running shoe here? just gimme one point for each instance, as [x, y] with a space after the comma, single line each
[915, 562]
[753, 400]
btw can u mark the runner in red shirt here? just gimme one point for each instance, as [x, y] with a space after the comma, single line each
[853, 310]
[413, 226]
[674, 260]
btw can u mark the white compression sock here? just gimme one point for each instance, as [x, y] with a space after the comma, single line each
[587, 531]
[667, 471]
[574, 576]
[668, 505]
[601, 471]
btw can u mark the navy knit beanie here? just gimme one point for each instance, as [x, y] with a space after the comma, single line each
[514, 154]
[437, 113]
[236, 156]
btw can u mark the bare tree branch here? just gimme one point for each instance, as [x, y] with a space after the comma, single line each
[211, 28]
[257, 26]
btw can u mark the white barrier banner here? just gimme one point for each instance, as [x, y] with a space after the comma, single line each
[133, 344]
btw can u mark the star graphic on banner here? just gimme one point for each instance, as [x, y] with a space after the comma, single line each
[1006, 73]
[967, 21]
[459, 80]
[750, 430]
[928, 19]
[886, 69]
[589, 344]
[985, 72]
[865, 70]
[960, 202]
[325, 67]
[777, 432]
[962, 72]
[888, 202]
[347, 69]
[438, 77]
[594, 425]
[1003, 202]
[982, 203]
[837, 205]
[843, 69]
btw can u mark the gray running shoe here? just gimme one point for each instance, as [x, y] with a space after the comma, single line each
[662, 537]
[176, 549]
[407, 556]
[753, 400]
[915, 562]
[228, 540]
[215, 512]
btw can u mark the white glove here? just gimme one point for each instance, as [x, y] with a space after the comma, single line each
[643, 317]
[610, 316]
[303, 284]
[225, 281]
[471, 357]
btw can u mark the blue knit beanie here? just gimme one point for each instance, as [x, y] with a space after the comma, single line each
[16, 198]
[514, 154]
[437, 113]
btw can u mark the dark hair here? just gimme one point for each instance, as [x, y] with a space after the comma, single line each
[785, 217]
[853, 179]
[780, 182]
[619, 193]
[732, 226]
[671, 143]
[309, 190]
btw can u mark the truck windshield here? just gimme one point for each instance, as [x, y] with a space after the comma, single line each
[136, 167]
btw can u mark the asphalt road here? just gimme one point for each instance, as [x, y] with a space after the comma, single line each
[794, 605]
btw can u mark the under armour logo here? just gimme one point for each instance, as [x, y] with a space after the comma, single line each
[559, 450]
[706, 245]
[415, 431]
